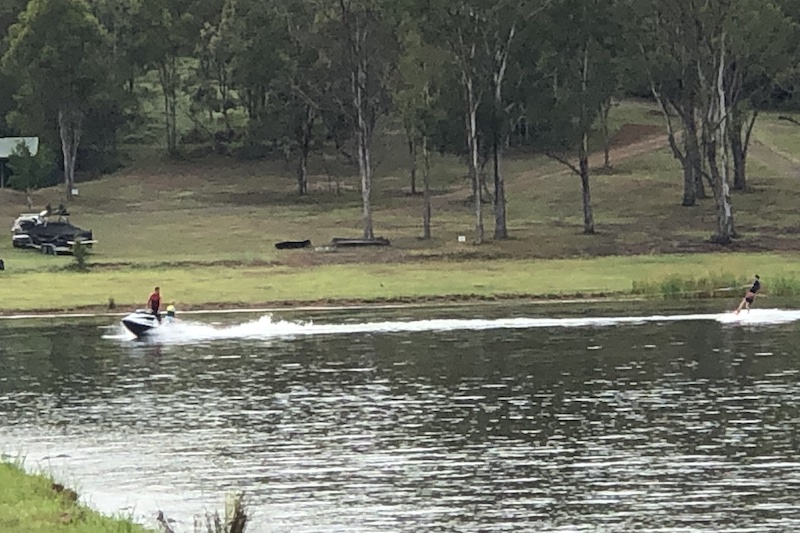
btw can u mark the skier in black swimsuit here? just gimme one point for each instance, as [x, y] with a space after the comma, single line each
[750, 296]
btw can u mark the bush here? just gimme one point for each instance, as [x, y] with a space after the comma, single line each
[783, 286]
[31, 172]
[80, 255]
[675, 287]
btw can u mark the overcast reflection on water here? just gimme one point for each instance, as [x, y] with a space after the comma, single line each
[663, 425]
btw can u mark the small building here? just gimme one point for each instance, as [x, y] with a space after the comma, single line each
[8, 145]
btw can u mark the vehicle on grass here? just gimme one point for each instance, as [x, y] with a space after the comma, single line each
[49, 231]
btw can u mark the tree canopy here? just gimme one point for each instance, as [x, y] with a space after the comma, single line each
[473, 78]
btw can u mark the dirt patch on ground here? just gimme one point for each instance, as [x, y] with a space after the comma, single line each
[633, 133]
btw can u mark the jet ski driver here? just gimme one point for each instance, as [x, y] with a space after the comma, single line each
[154, 302]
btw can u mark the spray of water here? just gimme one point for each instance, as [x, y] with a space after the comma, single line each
[267, 327]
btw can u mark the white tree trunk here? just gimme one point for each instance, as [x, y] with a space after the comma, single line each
[498, 76]
[70, 126]
[583, 155]
[724, 208]
[426, 190]
[363, 137]
[472, 144]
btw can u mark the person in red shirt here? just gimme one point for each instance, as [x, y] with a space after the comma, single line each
[154, 302]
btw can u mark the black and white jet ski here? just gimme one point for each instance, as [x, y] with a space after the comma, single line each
[140, 322]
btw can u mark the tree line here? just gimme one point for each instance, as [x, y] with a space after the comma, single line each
[471, 77]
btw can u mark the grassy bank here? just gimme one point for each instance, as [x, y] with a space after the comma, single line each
[205, 229]
[35, 504]
[688, 276]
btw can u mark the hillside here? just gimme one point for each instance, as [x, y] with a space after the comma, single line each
[221, 210]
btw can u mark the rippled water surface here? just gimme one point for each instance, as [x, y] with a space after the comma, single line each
[481, 419]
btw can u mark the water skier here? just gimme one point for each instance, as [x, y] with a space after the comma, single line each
[750, 296]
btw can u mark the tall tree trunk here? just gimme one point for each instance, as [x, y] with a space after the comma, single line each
[359, 85]
[307, 130]
[583, 165]
[472, 143]
[689, 173]
[694, 157]
[583, 150]
[168, 74]
[500, 228]
[716, 140]
[302, 173]
[426, 189]
[70, 125]
[740, 131]
[722, 198]
[363, 136]
[412, 152]
[738, 157]
[498, 75]
[605, 109]
[691, 157]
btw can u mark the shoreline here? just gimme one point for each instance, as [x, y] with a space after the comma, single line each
[393, 285]
[34, 501]
[344, 304]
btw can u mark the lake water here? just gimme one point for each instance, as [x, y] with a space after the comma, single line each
[545, 419]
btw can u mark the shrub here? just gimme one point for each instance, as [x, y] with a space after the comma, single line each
[80, 254]
[783, 286]
[674, 287]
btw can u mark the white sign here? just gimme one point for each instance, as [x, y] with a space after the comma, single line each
[8, 145]
[462, 238]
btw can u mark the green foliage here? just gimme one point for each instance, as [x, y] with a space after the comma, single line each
[422, 70]
[723, 285]
[31, 172]
[35, 503]
[58, 47]
[58, 53]
[720, 285]
[272, 78]
[783, 285]
[80, 257]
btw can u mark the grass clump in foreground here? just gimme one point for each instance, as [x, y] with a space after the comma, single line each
[35, 504]
[234, 521]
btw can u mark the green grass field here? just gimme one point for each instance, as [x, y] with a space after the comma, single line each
[253, 285]
[32, 504]
[204, 229]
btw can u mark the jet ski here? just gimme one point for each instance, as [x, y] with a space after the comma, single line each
[140, 322]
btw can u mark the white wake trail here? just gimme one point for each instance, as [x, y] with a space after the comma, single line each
[267, 327]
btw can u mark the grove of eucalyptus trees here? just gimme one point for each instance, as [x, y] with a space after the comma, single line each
[470, 78]
[713, 63]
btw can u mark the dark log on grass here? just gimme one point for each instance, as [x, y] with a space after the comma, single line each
[344, 242]
[289, 245]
